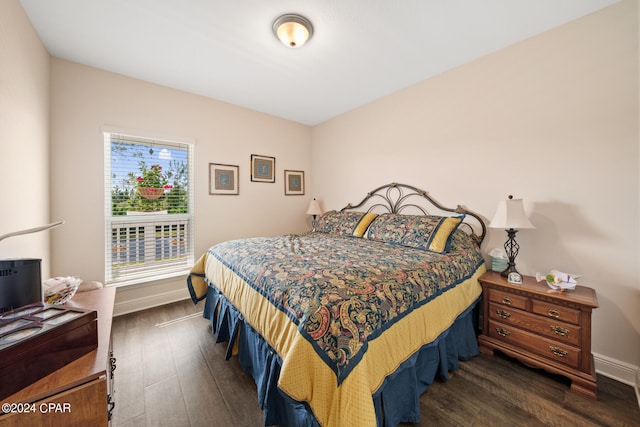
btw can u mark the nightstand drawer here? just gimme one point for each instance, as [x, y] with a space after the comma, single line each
[550, 349]
[559, 331]
[509, 299]
[556, 312]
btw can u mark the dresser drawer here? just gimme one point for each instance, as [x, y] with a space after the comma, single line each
[508, 299]
[550, 349]
[559, 331]
[556, 312]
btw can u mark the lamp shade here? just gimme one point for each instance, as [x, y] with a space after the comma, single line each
[314, 208]
[510, 214]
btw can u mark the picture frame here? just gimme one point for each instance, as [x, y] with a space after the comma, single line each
[263, 168]
[293, 183]
[223, 179]
[515, 278]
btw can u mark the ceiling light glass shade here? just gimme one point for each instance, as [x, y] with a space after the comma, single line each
[293, 30]
[510, 214]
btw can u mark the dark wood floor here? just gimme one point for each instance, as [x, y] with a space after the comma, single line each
[170, 373]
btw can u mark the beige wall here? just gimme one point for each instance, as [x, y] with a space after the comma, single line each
[85, 99]
[24, 141]
[553, 120]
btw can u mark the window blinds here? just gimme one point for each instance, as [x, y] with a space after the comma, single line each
[148, 208]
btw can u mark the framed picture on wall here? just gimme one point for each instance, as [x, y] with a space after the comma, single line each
[263, 168]
[223, 179]
[293, 183]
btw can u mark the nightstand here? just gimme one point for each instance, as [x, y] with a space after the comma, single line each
[541, 327]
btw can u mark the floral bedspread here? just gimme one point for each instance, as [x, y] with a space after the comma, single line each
[343, 292]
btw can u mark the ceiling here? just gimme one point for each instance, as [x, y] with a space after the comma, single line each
[361, 49]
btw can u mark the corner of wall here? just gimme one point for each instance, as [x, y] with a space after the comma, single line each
[619, 371]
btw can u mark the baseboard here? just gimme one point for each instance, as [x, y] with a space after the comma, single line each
[150, 301]
[619, 371]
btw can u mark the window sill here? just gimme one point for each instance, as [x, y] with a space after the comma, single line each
[149, 280]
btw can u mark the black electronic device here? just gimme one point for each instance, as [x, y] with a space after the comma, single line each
[20, 283]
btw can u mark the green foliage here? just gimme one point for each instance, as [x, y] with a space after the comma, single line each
[121, 199]
[178, 196]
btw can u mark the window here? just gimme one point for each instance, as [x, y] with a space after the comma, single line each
[148, 209]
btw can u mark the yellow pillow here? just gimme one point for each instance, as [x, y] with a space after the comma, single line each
[363, 224]
[440, 240]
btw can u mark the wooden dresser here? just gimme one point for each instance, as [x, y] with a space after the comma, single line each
[541, 327]
[79, 394]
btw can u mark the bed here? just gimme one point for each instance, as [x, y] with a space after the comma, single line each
[349, 323]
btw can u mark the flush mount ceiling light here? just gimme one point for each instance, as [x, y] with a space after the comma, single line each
[292, 30]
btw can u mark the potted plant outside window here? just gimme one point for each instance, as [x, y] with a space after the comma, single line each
[151, 183]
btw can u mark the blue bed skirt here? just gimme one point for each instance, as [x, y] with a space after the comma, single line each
[396, 401]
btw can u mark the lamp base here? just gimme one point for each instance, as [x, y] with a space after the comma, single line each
[511, 247]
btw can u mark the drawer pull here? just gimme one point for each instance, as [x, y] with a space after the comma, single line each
[502, 332]
[553, 313]
[558, 351]
[559, 331]
[503, 314]
[506, 300]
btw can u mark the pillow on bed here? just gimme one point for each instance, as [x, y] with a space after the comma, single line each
[430, 233]
[345, 223]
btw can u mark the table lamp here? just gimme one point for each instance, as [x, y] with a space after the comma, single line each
[314, 210]
[511, 217]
